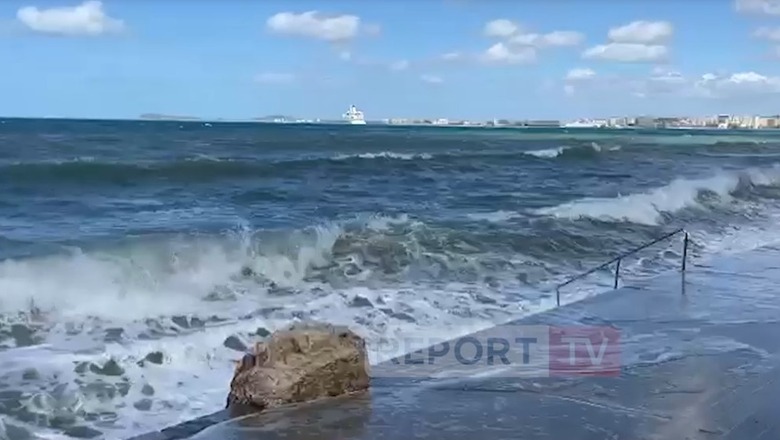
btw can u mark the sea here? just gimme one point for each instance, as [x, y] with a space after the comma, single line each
[139, 259]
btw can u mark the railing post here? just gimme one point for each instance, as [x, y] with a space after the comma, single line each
[619, 259]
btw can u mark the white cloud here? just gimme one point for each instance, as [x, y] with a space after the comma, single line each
[640, 41]
[739, 84]
[563, 38]
[431, 79]
[627, 52]
[502, 53]
[580, 74]
[501, 28]
[765, 7]
[577, 77]
[662, 81]
[642, 32]
[519, 46]
[86, 19]
[512, 33]
[399, 65]
[767, 33]
[452, 56]
[274, 78]
[552, 39]
[772, 35]
[663, 74]
[668, 82]
[313, 24]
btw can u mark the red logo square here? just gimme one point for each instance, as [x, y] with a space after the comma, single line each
[584, 351]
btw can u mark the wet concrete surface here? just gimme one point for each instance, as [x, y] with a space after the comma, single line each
[700, 361]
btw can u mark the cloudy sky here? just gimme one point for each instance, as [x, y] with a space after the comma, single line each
[474, 59]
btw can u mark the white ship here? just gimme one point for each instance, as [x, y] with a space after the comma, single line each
[354, 116]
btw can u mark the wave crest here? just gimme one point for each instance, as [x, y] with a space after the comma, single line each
[384, 155]
[651, 207]
[576, 151]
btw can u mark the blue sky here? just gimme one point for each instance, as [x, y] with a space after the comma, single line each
[393, 58]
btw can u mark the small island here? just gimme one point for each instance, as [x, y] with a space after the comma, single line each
[163, 117]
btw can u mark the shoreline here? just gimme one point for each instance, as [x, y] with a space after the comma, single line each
[376, 123]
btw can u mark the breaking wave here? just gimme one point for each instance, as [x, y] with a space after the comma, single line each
[150, 328]
[578, 151]
[384, 155]
[655, 206]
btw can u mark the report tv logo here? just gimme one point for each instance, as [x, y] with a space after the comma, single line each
[505, 351]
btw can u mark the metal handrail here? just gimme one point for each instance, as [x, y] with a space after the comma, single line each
[621, 257]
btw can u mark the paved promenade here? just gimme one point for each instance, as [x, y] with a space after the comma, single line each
[698, 364]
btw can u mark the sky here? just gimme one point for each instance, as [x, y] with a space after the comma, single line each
[457, 59]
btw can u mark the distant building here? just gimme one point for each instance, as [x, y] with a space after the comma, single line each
[667, 122]
[645, 122]
[543, 123]
[767, 122]
[618, 122]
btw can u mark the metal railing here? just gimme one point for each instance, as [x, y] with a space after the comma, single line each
[620, 257]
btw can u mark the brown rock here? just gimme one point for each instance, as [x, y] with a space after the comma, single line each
[304, 363]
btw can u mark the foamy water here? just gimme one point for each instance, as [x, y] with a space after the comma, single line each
[593, 148]
[196, 365]
[132, 280]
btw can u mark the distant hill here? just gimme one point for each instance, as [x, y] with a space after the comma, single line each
[271, 118]
[162, 117]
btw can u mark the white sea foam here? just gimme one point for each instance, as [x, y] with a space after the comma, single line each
[649, 207]
[547, 153]
[77, 297]
[495, 216]
[385, 155]
[550, 153]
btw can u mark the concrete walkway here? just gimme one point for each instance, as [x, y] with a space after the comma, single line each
[698, 364]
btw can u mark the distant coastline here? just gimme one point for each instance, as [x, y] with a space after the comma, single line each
[275, 118]
[767, 125]
[164, 117]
